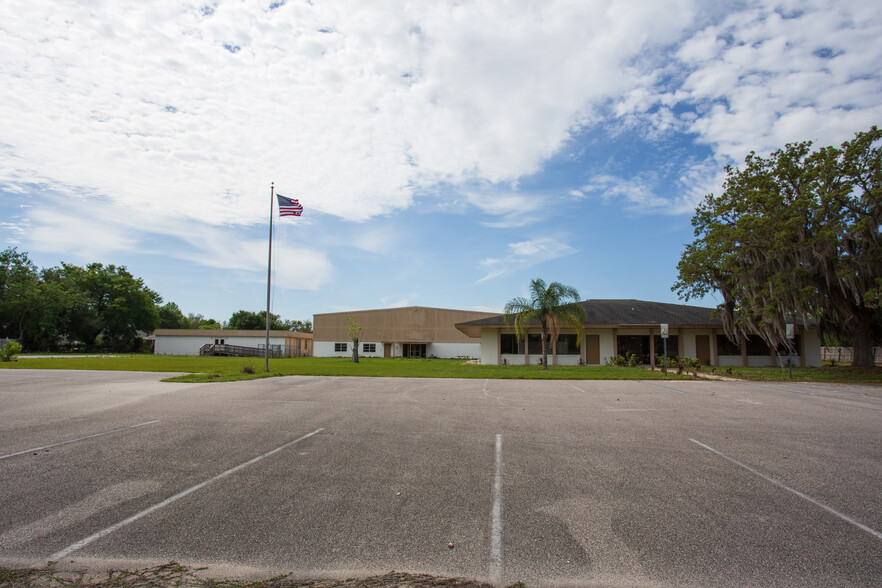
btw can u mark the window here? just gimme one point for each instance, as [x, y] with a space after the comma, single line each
[782, 349]
[727, 347]
[756, 346]
[673, 345]
[534, 344]
[566, 345]
[340, 347]
[638, 345]
[369, 348]
[509, 344]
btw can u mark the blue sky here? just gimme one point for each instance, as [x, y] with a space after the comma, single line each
[446, 153]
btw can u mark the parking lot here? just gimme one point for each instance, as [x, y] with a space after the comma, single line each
[552, 483]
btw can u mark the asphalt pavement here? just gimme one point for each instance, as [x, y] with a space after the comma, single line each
[552, 483]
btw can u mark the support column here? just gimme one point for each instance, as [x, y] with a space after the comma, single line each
[716, 354]
[801, 350]
[651, 349]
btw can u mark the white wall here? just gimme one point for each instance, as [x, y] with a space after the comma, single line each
[607, 343]
[489, 346]
[177, 345]
[440, 350]
[326, 349]
[811, 343]
[454, 350]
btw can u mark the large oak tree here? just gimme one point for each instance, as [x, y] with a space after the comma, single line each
[795, 234]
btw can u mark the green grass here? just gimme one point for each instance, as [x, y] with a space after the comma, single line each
[225, 369]
[838, 373]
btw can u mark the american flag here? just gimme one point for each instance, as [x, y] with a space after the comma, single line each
[288, 206]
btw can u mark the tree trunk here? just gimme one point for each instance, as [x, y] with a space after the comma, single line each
[544, 347]
[355, 351]
[862, 341]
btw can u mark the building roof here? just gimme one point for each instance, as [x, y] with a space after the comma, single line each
[228, 333]
[398, 310]
[410, 324]
[620, 313]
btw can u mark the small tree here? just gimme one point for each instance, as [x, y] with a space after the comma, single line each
[10, 350]
[354, 331]
[550, 306]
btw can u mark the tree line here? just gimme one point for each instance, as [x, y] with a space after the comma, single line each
[96, 307]
[795, 236]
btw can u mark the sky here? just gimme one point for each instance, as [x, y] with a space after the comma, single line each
[446, 153]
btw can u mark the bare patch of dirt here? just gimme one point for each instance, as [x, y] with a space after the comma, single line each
[174, 575]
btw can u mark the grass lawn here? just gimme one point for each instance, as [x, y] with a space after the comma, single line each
[826, 373]
[225, 369]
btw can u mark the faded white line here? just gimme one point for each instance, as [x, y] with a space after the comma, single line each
[78, 439]
[78, 512]
[103, 533]
[844, 517]
[634, 409]
[485, 385]
[577, 388]
[495, 563]
[665, 387]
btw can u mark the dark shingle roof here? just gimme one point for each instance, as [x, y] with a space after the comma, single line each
[628, 312]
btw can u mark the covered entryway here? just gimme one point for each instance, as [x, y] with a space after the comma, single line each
[415, 349]
[634, 345]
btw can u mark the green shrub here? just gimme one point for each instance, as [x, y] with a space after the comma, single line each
[622, 361]
[10, 350]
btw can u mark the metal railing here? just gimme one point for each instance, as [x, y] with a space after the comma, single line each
[846, 354]
[239, 350]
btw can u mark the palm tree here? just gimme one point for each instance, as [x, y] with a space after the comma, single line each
[550, 306]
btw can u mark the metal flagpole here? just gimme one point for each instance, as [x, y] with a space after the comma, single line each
[269, 267]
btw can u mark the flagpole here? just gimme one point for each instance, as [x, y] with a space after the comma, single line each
[269, 269]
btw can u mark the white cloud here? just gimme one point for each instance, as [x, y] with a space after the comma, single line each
[763, 79]
[525, 254]
[511, 209]
[388, 302]
[352, 106]
[55, 230]
[186, 113]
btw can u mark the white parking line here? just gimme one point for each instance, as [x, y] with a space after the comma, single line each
[94, 537]
[78, 439]
[665, 387]
[846, 518]
[495, 564]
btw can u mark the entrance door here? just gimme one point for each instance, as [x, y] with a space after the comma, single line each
[414, 350]
[387, 350]
[702, 348]
[592, 349]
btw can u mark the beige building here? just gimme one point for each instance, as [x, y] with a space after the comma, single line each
[626, 327]
[413, 331]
